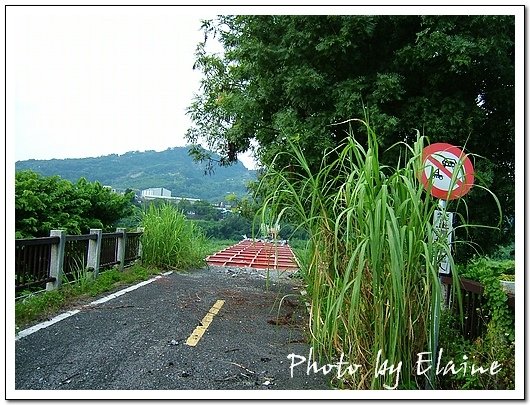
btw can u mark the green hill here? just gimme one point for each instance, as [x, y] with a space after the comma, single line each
[172, 169]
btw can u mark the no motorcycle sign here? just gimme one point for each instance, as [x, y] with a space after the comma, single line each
[447, 171]
[447, 174]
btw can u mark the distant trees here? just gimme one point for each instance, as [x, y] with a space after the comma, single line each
[233, 223]
[173, 169]
[233, 226]
[204, 210]
[45, 203]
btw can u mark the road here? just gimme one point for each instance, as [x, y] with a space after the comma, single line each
[138, 340]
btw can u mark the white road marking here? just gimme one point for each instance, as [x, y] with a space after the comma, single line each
[43, 325]
[58, 318]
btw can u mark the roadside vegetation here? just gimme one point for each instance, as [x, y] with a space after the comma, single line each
[170, 241]
[36, 306]
[371, 265]
[43, 203]
[497, 342]
[348, 199]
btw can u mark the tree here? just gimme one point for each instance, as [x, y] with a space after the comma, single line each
[302, 77]
[105, 207]
[205, 210]
[46, 203]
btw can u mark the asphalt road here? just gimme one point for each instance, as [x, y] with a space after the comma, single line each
[138, 340]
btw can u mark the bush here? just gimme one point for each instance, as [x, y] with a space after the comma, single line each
[170, 241]
[482, 269]
[45, 203]
[505, 252]
[372, 263]
[498, 342]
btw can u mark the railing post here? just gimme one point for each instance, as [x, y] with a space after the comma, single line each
[140, 229]
[94, 251]
[56, 260]
[122, 240]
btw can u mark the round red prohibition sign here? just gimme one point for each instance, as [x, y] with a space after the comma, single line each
[448, 170]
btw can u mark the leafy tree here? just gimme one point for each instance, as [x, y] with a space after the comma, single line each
[46, 203]
[247, 206]
[185, 206]
[303, 77]
[105, 207]
[233, 226]
[205, 210]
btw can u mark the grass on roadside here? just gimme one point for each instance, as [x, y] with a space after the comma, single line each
[216, 245]
[371, 263]
[170, 240]
[39, 306]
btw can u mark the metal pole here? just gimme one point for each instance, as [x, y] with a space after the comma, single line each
[437, 308]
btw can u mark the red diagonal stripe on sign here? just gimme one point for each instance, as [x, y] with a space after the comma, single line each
[447, 172]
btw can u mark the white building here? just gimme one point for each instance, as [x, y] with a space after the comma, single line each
[164, 193]
[156, 192]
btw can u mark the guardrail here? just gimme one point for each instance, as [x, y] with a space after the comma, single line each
[476, 316]
[47, 262]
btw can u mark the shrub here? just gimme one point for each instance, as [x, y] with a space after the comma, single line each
[171, 241]
[498, 342]
[372, 261]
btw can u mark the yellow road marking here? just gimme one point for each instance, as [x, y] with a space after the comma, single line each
[197, 333]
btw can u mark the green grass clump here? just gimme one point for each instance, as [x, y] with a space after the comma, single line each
[371, 262]
[37, 305]
[170, 241]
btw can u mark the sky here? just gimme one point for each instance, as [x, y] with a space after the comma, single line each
[91, 81]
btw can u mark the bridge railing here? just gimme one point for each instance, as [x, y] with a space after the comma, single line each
[47, 262]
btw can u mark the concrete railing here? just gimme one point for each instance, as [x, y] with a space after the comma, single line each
[46, 261]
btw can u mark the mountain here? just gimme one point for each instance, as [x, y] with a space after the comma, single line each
[172, 169]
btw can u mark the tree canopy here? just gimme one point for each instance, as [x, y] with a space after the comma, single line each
[300, 77]
[46, 203]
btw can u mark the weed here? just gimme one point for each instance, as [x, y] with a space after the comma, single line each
[498, 344]
[372, 261]
[37, 306]
[170, 241]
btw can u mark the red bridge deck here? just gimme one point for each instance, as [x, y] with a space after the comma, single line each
[257, 255]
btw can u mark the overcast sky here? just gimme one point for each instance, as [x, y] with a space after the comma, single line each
[91, 81]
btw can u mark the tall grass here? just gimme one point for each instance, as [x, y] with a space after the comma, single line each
[372, 261]
[170, 241]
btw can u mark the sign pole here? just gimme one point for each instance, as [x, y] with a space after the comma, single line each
[447, 174]
[437, 305]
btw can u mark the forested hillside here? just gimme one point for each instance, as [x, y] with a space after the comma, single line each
[173, 169]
